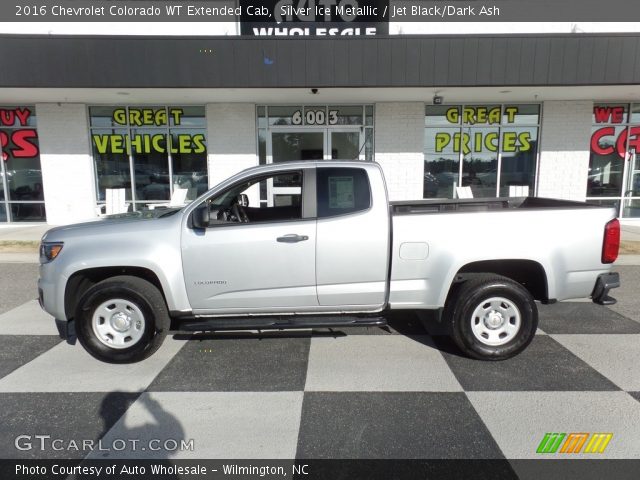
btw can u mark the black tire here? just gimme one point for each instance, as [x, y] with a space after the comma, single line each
[471, 294]
[145, 296]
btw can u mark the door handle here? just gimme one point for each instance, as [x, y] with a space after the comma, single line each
[292, 238]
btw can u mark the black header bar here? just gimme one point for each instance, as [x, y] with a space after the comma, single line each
[318, 11]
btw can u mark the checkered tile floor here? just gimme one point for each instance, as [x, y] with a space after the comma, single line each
[350, 393]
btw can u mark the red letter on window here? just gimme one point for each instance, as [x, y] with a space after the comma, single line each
[602, 114]
[595, 141]
[24, 148]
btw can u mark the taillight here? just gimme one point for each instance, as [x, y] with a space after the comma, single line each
[611, 243]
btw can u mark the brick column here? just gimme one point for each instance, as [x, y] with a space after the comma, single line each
[564, 158]
[399, 146]
[67, 167]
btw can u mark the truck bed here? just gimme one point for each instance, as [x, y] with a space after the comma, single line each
[560, 238]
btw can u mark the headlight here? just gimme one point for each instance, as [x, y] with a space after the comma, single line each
[49, 251]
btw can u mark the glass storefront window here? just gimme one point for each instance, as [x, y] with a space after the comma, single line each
[441, 174]
[284, 115]
[150, 164]
[21, 187]
[521, 114]
[605, 164]
[262, 117]
[518, 159]
[614, 163]
[612, 113]
[188, 169]
[189, 117]
[481, 114]
[153, 150]
[111, 159]
[345, 115]
[368, 145]
[486, 147]
[480, 160]
[368, 112]
[102, 117]
[442, 140]
[446, 115]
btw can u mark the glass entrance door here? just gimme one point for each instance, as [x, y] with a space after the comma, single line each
[325, 144]
[288, 146]
[631, 200]
[295, 144]
[346, 145]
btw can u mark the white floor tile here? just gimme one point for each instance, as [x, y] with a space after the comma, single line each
[378, 363]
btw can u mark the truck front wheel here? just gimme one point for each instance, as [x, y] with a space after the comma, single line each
[492, 317]
[122, 319]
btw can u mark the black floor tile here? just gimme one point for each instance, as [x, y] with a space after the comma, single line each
[545, 365]
[392, 425]
[635, 395]
[242, 362]
[582, 317]
[66, 417]
[18, 350]
[582, 467]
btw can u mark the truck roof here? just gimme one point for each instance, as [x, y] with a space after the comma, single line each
[309, 163]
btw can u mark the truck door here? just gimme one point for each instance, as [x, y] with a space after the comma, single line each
[254, 258]
[352, 253]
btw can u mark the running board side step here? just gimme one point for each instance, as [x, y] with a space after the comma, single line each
[296, 321]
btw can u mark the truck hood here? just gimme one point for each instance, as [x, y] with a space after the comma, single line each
[123, 223]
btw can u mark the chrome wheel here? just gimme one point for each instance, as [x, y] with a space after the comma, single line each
[496, 321]
[118, 323]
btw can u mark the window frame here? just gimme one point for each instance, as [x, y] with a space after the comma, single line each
[307, 207]
[461, 126]
[8, 203]
[168, 129]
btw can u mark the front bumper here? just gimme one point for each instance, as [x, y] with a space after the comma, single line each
[67, 330]
[604, 283]
[51, 286]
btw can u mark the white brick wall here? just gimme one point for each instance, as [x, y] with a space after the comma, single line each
[564, 161]
[65, 157]
[231, 139]
[399, 144]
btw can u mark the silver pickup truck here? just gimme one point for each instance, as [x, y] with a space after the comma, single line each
[317, 244]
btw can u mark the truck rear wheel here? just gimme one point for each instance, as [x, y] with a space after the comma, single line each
[122, 319]
[492, 317]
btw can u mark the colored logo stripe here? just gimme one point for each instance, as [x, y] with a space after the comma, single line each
[573, 442]
[598, 442]
[550, 442]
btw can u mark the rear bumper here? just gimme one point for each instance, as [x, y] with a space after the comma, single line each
[604, 283]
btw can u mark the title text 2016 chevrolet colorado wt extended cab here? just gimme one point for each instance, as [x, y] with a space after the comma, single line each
[317, 244]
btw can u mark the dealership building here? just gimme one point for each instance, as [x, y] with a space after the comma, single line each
[553, 114]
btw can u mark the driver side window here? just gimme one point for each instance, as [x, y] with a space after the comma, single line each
[242, 202]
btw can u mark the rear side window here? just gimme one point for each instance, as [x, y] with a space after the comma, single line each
[342, 190]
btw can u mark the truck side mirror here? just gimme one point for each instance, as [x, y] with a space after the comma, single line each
[200, 216]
